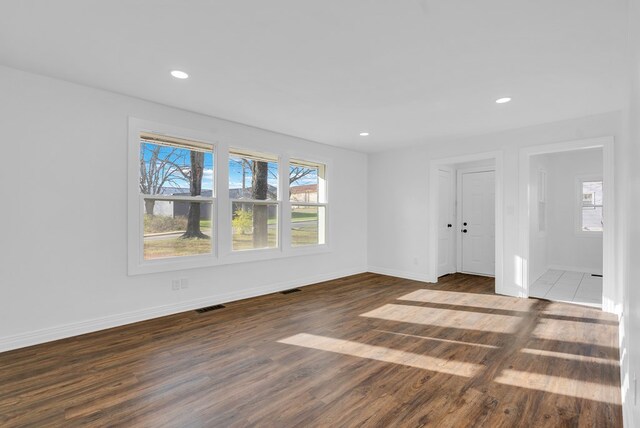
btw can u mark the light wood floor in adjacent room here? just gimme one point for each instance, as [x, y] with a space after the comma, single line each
[367, 350]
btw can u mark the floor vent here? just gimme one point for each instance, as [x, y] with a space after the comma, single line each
[209, 309]
[293, 290]
[595, 274]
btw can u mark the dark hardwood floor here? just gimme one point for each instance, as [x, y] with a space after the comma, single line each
[366, 350]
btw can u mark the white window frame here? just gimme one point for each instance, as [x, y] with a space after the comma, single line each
[579, 205]
[322, 202]
[221, 210]
[137, 264]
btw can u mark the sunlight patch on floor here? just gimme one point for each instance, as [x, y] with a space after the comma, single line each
[573, 331]
[468, 320]
[380, 353]
[436, 339]
[571, 357]
[561, 385]
[457, 298]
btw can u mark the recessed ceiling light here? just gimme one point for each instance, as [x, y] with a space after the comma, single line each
[503, 100]
[364, 134]
[179, 74]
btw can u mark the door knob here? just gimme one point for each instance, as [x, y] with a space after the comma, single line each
[464, 230]
[449, 225]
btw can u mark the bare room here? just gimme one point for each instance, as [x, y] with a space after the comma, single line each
[319, 214]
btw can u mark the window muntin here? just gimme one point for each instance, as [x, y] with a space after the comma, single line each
[176, 182]
[591, 208]
[253, 192]
[308, 198]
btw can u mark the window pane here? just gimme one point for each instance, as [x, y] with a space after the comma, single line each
[252, 178]
[592, 193]
[170, 233]
[254, 226]
[175, 170]
[307, 225]
[592, 219]
[303, 183]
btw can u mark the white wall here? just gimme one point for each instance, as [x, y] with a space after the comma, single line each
[64, 271]
[629, 238]
[566, 249]
[399, 186]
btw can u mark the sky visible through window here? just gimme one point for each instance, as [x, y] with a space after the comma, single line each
[235, 173]
[174, 162]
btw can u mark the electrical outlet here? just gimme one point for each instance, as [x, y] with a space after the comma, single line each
[184, 283]
[175, 284]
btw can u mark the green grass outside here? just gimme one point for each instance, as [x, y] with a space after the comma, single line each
[304, 236]
[175, 247]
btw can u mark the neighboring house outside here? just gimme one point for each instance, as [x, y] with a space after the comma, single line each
[304, 193]
[240, 194]
[171, 209]
[181, 209]
[245, 193]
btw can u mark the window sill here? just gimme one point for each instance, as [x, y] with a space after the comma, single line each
[247, 256]
[172, 264]
[271, 254]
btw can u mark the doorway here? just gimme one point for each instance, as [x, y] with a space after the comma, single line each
[467, 189]
[567, 200]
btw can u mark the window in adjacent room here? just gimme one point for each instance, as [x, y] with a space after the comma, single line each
[590, 207]
[253, 192]
[308, 199]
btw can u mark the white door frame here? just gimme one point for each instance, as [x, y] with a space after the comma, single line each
[608, 265]
[435, 164]
[459, 173]
[453, 251]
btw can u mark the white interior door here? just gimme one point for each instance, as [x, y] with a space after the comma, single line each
[446, 237]
[478, 222]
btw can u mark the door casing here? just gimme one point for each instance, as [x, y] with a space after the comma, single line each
[452, 251]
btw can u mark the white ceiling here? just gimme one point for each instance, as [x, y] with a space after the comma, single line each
[408, 71]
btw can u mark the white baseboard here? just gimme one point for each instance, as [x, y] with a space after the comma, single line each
[576, 269]
[82, 327]
[400, 274]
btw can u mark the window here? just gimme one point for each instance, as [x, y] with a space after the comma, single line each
[307, 195]
[590, 206]
[253, 191]
[176, 197]
[275, 206]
